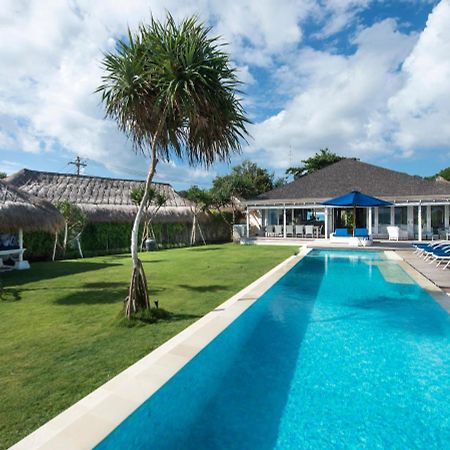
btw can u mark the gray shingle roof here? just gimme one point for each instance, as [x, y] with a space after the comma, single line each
[353, 175]
[102, 199]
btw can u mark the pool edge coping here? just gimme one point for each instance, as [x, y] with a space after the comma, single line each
[91, 419]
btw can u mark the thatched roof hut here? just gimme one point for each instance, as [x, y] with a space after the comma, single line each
[20, 210]
[103, 200]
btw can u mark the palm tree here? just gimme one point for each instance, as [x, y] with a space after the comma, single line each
[171, 89]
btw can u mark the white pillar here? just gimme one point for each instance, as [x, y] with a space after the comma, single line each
[284, 223]
[248, 223]
[370, 222]
[428, 218]
[20, 244]
[410, 221]
[392, 215]
[446, 216]
[419, 222]
[326, 222]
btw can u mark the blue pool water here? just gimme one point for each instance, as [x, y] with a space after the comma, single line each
[344, 352]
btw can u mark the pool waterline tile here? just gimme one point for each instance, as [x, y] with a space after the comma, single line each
[87, 422]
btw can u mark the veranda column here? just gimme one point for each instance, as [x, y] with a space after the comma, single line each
[410, 221]
[392, 215]
[326, 223]
[428, 219]
[446, 216]
[284, 223]
[370, 222]
[419, 222]
[248, 223]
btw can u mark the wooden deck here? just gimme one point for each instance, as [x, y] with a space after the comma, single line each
[438, 276]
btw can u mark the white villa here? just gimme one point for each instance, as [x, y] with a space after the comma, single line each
[420, 207]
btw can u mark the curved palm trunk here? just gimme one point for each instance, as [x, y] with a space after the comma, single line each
[138, 293]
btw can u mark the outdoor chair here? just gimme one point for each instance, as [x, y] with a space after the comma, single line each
[299, 230]
[290, 230]
[278, 230]
[270, 231]
[361, 232]
[396, 233]
[309, 230]
[440, 254]
[431, 249]
[341, 232]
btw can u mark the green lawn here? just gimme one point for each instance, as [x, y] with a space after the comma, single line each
[61, 328]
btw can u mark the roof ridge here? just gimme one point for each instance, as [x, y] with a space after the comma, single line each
[47, 172]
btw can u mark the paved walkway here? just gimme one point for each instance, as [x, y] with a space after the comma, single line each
[439, 277]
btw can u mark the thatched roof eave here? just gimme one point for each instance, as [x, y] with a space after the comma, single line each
[19, 210]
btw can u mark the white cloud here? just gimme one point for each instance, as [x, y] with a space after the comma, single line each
[360, 104]
[337, 101]
[420, 110]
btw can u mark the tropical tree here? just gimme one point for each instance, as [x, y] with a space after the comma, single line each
[323, 158]
[172, 90]
[75, 222]
[3, 175]
[200, 202]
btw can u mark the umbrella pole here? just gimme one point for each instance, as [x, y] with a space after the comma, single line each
[354, 219]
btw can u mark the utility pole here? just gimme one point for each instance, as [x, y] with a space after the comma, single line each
[78, 163]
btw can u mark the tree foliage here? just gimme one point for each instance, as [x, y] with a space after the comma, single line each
[3, 175]
[246, 180]
[444, 173]
[323, 158]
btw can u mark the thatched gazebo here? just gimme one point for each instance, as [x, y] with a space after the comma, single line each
[21, 212]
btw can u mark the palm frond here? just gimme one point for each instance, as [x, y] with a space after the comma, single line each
[174, 83]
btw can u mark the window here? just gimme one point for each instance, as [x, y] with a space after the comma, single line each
[401, 215]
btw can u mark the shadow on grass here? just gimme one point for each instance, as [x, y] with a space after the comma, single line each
[48, 270]
[102, 292]
[206, 288]
[152, 316]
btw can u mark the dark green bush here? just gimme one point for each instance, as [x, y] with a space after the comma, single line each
[110, 238]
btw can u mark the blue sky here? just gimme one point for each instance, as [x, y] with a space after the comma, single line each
[367, 79]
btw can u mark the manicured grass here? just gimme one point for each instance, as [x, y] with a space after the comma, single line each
[61, 328]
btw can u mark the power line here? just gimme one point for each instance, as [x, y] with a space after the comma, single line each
[78, 163]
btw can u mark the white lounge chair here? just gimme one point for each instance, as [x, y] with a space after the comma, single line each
[299, 230]
[290, 230]
[309, 230]
[278, 230]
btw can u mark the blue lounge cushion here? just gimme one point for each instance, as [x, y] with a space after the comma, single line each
[343, 232]
[361, 232]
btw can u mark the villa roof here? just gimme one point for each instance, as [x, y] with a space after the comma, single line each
[102, 199]
[353, 175]
[21, 210]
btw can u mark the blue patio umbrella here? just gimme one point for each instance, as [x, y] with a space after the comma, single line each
[356, 199]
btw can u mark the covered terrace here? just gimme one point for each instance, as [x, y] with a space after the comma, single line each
[420, 208]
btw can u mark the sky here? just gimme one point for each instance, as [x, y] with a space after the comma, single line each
[365, 78]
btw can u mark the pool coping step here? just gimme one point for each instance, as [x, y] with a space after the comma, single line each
[87, 422]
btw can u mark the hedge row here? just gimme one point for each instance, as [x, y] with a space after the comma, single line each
[110, 238]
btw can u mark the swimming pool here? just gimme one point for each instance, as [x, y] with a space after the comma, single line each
[345, 351]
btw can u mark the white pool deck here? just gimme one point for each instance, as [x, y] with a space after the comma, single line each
[86, 423]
